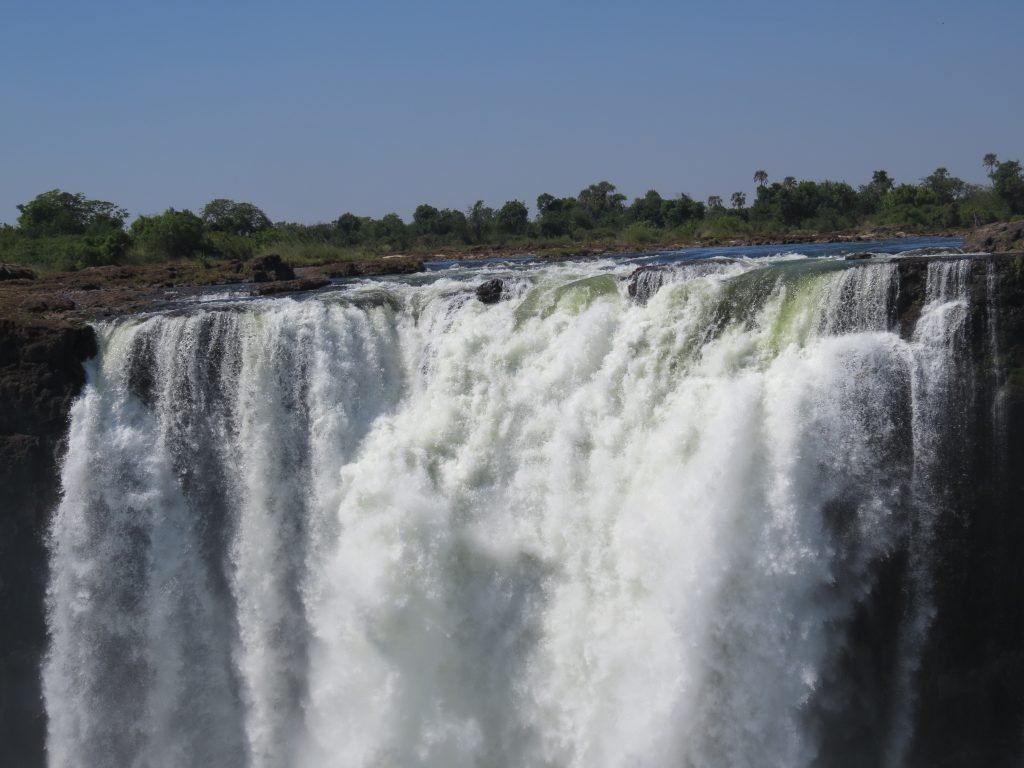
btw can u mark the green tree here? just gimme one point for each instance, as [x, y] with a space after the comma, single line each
[426, 219]
[601, 202]
[243, 219]
[391, 232]
[715, 202]
[738, 200]
[789, 183]
[990, 162]
[171, 235]
[648, 209]
[1008, 184]
[64, 213]
[479, 217]
[882, 181]
[513, 218]
[872, 194]
[681, 210]
[559, 216]
[761, 177]
[944, 185]
[349, 228]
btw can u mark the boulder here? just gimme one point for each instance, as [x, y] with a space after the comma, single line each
[996, 238]
[14, 272]
[489, 292]
[292, 286]
[271, 267]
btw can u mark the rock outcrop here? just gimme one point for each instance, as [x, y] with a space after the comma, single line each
[41, 372]
[996, 238]
[14, 272]
[489, 292]
[271, 267]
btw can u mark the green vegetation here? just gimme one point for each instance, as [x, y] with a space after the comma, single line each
[62, 230]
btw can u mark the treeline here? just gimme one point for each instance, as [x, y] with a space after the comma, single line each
[64, 230]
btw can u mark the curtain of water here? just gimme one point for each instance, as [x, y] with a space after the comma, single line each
[400, 527]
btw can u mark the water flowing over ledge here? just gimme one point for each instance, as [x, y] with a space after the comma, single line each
[396, 526]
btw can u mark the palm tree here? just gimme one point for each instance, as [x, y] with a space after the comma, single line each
[738, 200]
[761, 177]
[714, 201]
[990, 162]
[789, 183]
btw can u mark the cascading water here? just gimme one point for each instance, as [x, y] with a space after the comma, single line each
[393, 526]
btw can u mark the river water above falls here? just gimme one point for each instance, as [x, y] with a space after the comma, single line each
[393, 526]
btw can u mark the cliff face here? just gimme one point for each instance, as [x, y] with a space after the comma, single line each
[970, 695]
[40, 374]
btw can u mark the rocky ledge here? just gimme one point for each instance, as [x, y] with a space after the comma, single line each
[41, 372]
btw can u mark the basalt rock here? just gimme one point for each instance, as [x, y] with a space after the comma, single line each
[996, 238]
[271, 267]
[41, 372]
[489, 292]
[292, 286]
[14, 272]
[398, 266]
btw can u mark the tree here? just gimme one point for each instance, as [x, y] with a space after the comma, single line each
[171, 235]
[600, 201]
[715, 202]
[738, 200]
[244, 219]
[64, 213]
[761, 177]
[873, 193]
[648, 209]
[513, 218]
[559, 216]
[882, 181]
[789, 183]
[544, 201]
[679, 211]
[426, 219]
[946, 187]
[1008, 184]
[391, 231]
[990, 162]
[349, 228]
[479, 217]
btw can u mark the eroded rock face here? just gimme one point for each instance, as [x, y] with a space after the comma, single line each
[40, 374]
[996, 238]
[489, 292]
[14, 272]
[271, 267]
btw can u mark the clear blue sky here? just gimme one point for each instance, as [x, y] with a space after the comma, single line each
[310, 109]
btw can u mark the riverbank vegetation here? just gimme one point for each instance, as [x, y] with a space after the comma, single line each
[60, 230]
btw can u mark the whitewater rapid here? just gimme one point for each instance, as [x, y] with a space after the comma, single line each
[395, 526]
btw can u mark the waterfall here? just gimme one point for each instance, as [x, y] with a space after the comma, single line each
[393, 526]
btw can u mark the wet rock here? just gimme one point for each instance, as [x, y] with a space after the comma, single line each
[14, 272]
[938, 251]
[996, 238]
[292, 286]
[489, 292]
[403, 266]
[52, 304]
[645, 282]
[271, 267]
[41, 372]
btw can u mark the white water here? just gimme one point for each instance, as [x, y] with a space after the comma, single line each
[398, 527]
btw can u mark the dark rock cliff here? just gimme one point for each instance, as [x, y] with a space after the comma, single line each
[40, 374]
